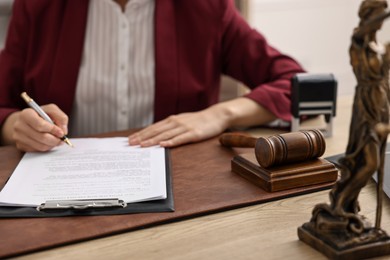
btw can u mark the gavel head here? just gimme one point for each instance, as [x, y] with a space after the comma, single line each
[289, 148]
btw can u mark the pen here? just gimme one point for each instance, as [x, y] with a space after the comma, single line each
[42, 113]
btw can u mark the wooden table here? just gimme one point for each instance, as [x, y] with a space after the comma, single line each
[265, 231]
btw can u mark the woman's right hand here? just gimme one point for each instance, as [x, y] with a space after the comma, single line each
[30, 133]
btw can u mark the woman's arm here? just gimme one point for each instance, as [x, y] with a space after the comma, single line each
[197, 126]
[246, 56]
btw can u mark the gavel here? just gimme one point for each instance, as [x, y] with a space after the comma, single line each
[280, 149]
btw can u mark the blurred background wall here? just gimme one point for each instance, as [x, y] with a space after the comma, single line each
[315, 32]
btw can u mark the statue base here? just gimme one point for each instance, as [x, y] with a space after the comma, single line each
[338, 245]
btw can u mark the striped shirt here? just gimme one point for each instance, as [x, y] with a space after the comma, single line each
[115, 88]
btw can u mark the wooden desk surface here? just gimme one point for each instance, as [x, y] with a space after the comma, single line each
[265, 231]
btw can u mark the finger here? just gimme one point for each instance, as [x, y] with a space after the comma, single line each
[38, 124]
[58, 116]
[28, 138]
[151, 131]
[27, 143]
[187, 137]
[164, 136]
[33, 146]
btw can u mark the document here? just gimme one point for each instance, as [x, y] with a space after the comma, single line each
[96, 168]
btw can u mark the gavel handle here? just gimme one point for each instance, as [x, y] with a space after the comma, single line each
[237, 140]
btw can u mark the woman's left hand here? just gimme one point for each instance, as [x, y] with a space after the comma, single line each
[180, 129]
[197, 126]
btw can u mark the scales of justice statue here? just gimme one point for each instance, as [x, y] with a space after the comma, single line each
[336, 229]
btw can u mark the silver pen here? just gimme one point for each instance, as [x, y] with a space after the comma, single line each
[42, 113]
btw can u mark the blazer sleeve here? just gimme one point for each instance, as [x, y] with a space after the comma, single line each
[12, 59]
[249, 58]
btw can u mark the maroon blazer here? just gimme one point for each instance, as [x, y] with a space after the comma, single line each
[195, 42]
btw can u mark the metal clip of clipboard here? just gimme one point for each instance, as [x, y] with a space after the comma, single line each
[81, 204]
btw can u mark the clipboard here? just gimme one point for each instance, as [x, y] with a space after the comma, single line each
[96, 207]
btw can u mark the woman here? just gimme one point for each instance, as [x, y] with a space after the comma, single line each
[89, 59]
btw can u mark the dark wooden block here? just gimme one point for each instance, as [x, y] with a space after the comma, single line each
[284, 177]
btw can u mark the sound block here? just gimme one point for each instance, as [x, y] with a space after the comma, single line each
[284, 177]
